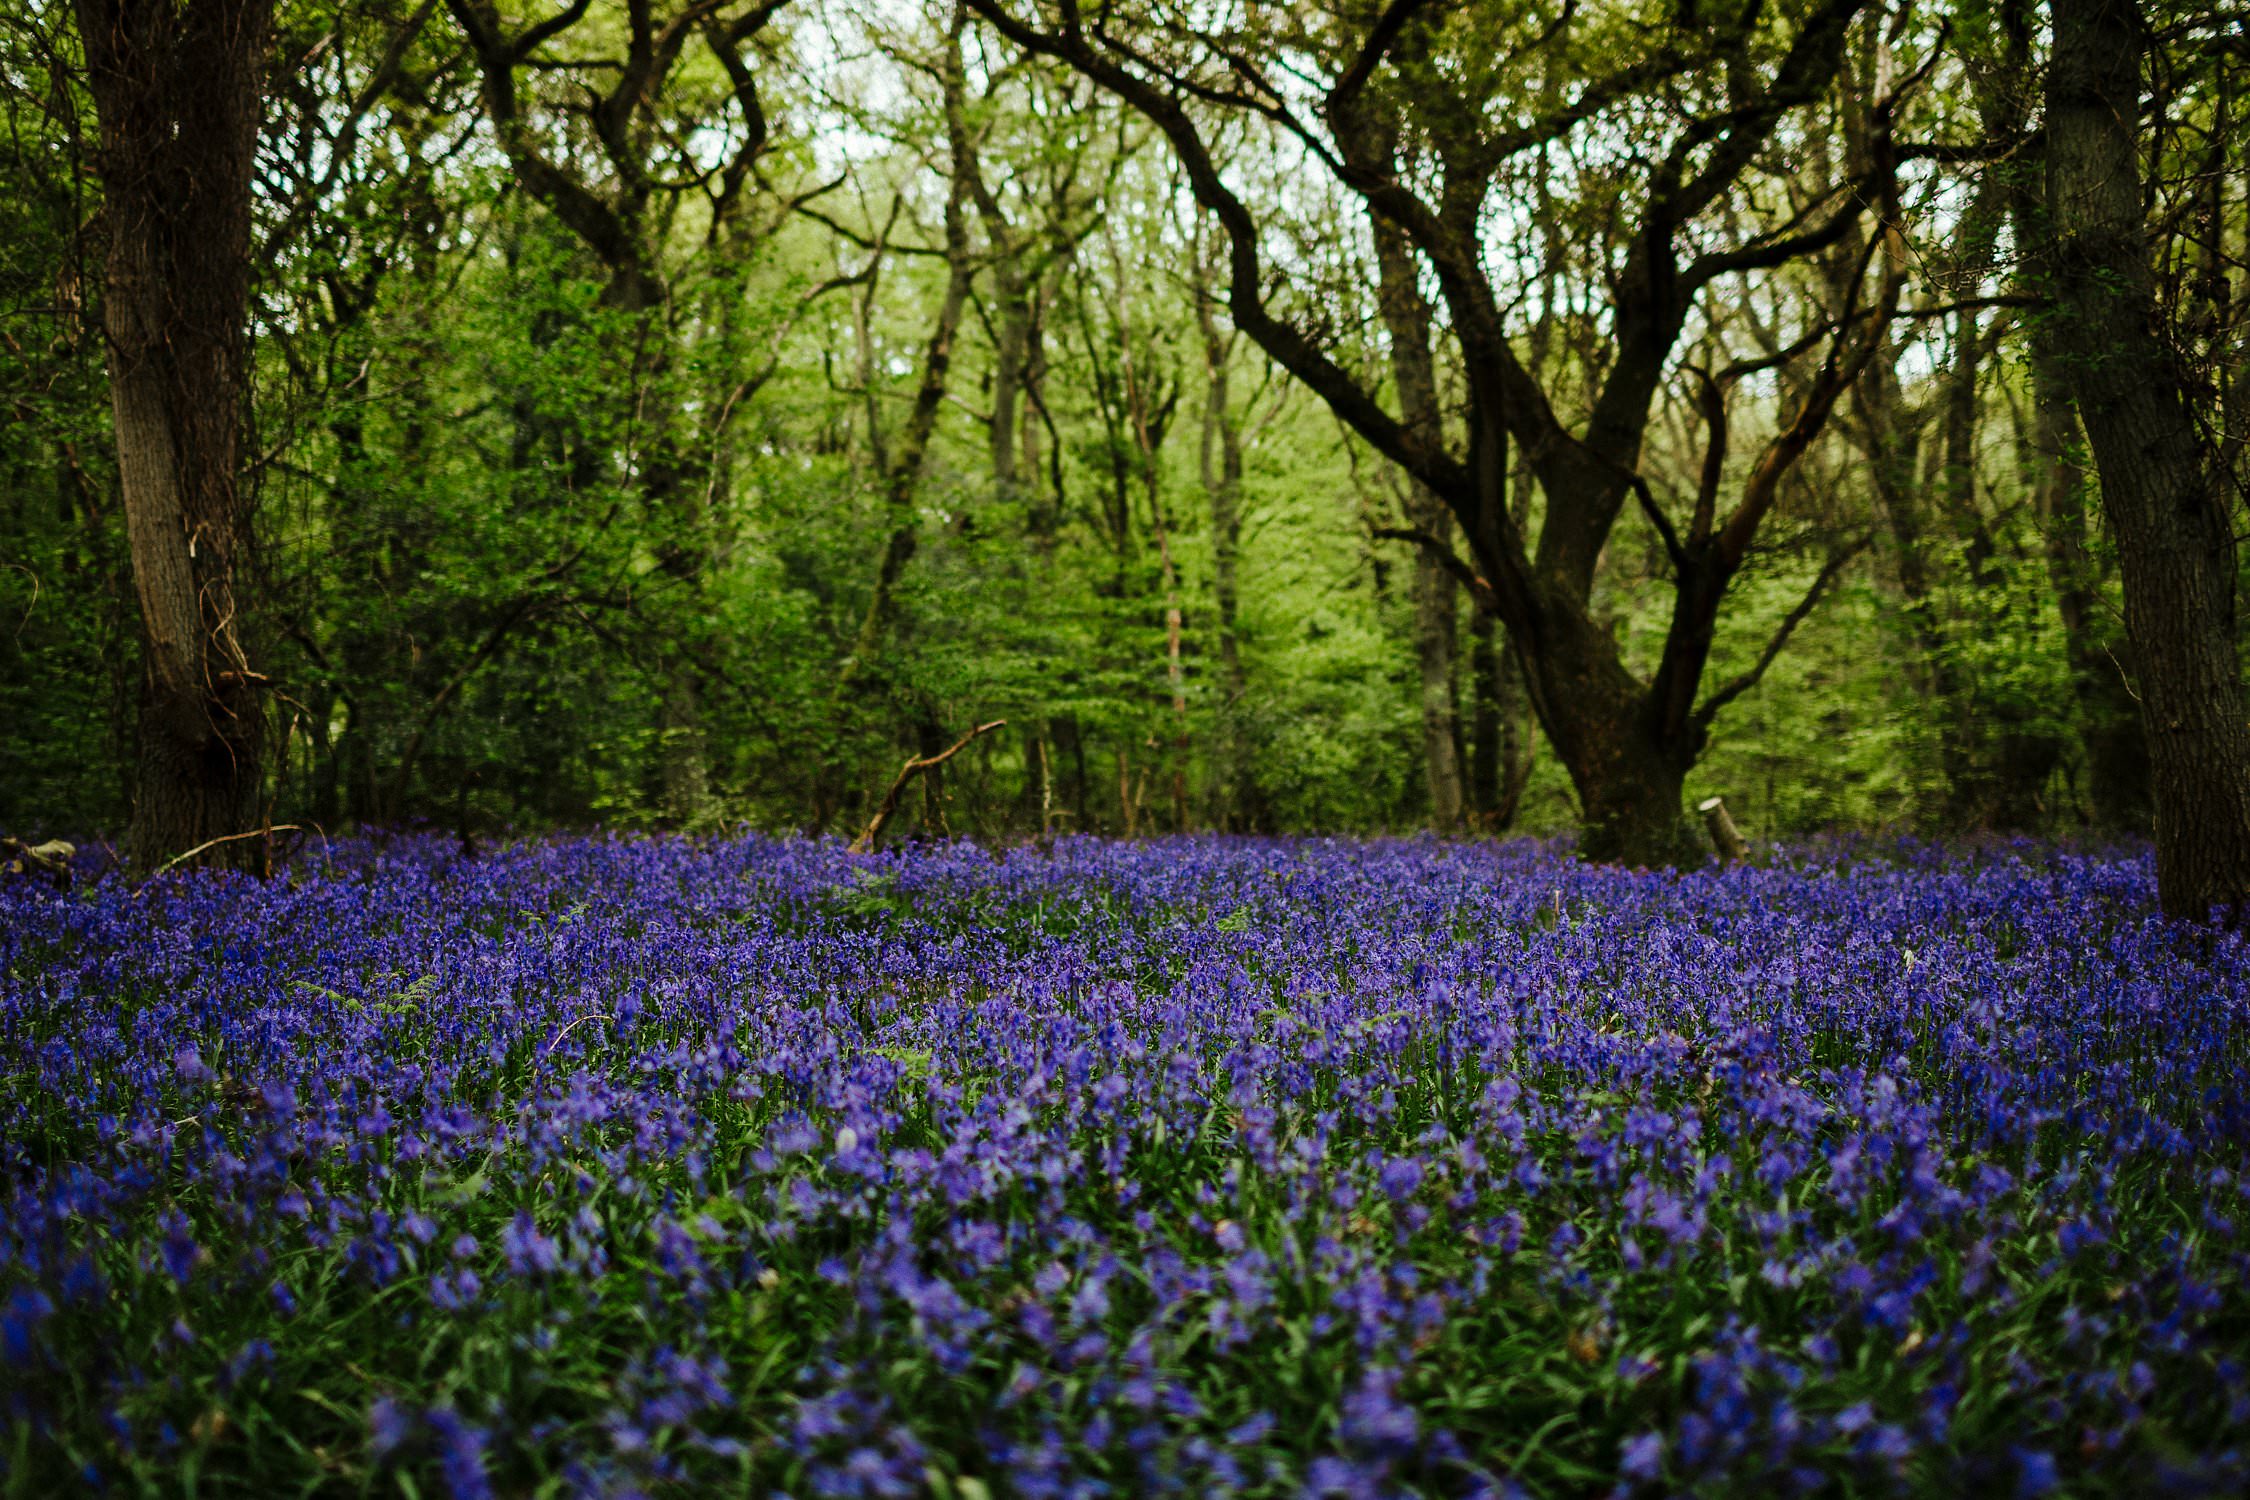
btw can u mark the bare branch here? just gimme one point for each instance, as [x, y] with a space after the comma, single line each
[1378, 44]
[872, 835]
[1737, 686]
[1445, 557]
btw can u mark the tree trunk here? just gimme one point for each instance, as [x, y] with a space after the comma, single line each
[683, 755]
[2117, 772]
[1406, 317]
[1070, 740]
[929, 743]
[1148, 410]
[902, 472]
[2174, 538]
[1499, 738]
[1629, 775]
[1221, 453]
[177, 89]
[1436, 612]
[1011, 352]
[1893, 439]
[2015, 747]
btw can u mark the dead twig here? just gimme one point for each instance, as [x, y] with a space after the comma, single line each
[225, 838]
[872, 834]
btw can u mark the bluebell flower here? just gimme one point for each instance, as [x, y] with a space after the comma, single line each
[388, 1425]
[2036, 1473]
[528, 1250]
[28, 1307]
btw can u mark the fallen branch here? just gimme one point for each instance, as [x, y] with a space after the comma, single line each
[51, 859]
[225, 838]
[872, 834]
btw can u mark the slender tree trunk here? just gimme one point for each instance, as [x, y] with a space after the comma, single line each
[683, 757]
[2174, 538]
[2117, 770]
[1893, 440]
[1070, 740]
[902, 471]
[1406, 317]
[178, 92]
[1011, 352]
[1221, 457]
[1436, 646]
[1148, 412]
[930, 741]
[2014, 748]
[1499, 738]
[1043, 493]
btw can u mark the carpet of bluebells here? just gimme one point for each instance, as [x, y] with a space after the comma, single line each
[1203, 1167]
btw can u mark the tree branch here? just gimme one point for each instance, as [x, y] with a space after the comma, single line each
[872, 834]
[1443, 555]
[1737, 686]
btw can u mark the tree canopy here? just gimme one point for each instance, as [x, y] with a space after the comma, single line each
[1471, 414]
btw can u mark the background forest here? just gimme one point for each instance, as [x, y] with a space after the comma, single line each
[675, 412]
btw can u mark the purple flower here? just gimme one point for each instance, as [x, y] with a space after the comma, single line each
[388, 1425]
[1400, 1178]
[2035, 1473]
[180, 1253]
[460, 1454]
[676, 1250]
[28, 1307]
[254, 1355]
[528, 1250]
[1330, 1476]
[1375, 1420]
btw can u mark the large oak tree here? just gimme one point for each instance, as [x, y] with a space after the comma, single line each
[1430, 111]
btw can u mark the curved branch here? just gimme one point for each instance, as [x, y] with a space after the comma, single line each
[1245, 298]
[872, 834]
[1444, 556]
[1735, 687]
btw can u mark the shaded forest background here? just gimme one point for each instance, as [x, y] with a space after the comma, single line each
[680, 413]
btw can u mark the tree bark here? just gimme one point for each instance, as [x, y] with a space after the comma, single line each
[1437, 609]
[1221, 460]
[902, 471]
[2117, 770]
[178, 93]
[2159, 486]
[1500, 747]
[2051, 458]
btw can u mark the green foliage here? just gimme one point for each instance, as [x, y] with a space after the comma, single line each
[480, 609]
